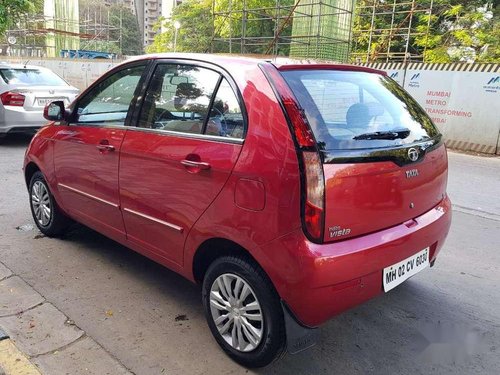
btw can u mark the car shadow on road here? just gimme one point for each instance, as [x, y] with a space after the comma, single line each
[415, 328]
[15, 140]
[135, 264]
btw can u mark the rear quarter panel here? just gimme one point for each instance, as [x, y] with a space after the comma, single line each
[268, 157]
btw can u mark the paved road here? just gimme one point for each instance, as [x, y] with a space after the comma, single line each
[149, 320]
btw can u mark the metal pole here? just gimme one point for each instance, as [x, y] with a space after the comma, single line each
[409, 30]
[121, 25]
[351, 16]
[390, 32]
[175, 38]
[318, 34]
[428, 28]
[371, 32]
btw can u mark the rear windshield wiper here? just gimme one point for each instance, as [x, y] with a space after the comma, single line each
[389, 134]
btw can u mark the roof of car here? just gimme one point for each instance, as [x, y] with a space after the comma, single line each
[280, 62]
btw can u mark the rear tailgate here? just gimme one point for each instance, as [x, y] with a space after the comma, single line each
[365, 197]
[383, 159]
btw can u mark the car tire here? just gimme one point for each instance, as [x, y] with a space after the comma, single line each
[248, 341]
[47, 215]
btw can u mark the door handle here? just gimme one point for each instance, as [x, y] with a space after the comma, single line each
[195, 164]
[106, 147]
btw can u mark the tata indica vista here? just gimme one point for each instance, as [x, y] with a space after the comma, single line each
[289, 191]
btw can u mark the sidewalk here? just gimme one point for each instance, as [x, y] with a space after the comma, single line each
[36, 338]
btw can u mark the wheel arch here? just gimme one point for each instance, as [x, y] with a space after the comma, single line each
[30, 169]
[214, 248]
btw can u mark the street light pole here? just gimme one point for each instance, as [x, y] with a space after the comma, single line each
[177, 26]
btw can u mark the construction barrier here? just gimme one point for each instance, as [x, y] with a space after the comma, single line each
[461, 98]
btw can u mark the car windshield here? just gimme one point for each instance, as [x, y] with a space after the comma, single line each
[358, 110]
[32, 77]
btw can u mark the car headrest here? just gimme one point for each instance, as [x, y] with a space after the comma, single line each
[358, 115]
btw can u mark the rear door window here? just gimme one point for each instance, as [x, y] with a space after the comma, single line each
[226, 117]
[178, 98]
[357, 110]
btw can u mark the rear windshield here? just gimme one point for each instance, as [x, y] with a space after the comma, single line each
[358, 110]
[32, 77]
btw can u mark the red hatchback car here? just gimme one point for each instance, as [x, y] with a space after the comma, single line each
[291, 192]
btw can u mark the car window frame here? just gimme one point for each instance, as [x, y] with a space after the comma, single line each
[71, 121]
[202, 64]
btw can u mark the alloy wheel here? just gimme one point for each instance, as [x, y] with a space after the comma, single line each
[236, 312]
[40, 200]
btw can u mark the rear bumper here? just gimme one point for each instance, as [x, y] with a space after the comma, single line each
[337, 276]
[17, 119]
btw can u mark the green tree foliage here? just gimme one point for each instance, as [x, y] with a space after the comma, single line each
[457, 30]
[195, 33]
[198, 26]
[122, 18]
[12, 10]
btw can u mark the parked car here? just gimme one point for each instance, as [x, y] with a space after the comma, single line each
[290, 192]
[24, 92]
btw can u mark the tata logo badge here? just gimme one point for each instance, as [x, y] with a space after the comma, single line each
[413, 154]
[411, 173]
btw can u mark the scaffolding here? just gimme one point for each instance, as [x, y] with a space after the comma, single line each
[387, 29]
[319, 29]
[45, 35]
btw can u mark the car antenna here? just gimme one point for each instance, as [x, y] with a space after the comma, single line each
[26, 63]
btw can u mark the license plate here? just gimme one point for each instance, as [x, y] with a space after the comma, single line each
[44, 101]
[399, 272]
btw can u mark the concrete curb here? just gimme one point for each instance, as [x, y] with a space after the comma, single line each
[13, 361]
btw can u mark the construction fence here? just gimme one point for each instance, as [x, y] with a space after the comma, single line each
[461, 98]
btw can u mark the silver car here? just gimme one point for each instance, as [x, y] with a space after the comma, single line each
[24, 92]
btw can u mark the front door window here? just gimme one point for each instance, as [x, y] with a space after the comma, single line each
[108, 103]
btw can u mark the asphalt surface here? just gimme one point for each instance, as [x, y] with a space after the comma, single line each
[445, 320]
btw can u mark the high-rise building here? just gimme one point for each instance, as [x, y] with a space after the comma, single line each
[148, 13]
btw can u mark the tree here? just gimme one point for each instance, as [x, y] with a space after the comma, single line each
[464, 32]
[12, 10]
[198, 26]
[457, 30]
[131, 38]
[195, 32]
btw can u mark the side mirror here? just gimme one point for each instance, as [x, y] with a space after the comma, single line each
[54, 111]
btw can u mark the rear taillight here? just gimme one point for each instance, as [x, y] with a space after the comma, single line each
[313, 187]
[12, 98]
[298, 121]
[314, 194]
